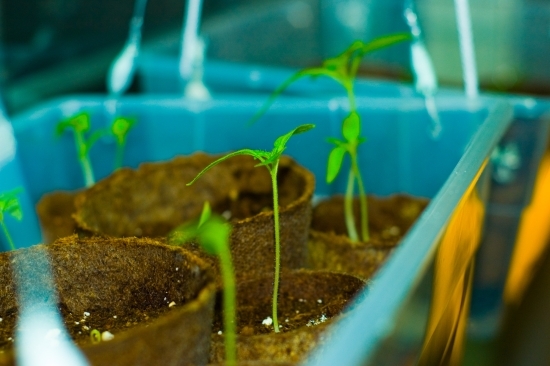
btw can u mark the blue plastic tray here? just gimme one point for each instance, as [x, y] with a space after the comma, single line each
[511, 186]
[158, 74]
[399, 156]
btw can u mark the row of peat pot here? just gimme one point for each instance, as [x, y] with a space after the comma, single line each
[414, 308]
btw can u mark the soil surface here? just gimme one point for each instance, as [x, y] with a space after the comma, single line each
[308, 302]
[389, 217]
[329, 247]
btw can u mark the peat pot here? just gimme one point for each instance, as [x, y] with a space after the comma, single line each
[154, 199]
[329, 247]
[137, 289]
[308, 302]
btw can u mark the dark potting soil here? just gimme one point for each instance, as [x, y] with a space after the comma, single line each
[306, 298]
[389, 217]
[79, 326]
[308, 302]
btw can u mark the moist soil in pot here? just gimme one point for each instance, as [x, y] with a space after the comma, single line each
[154, 199]
[134, 288]
[329, 247]
[55, 212]
[308, 302]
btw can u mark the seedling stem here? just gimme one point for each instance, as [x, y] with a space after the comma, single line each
[269, 159]
[80, 124]
[212, 233]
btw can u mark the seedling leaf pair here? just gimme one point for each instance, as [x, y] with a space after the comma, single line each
[351, 129]
[80, 125]
[342, 68]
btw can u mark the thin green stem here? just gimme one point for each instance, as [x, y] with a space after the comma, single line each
[351, 96]
[229, 312]
[348, 208]
[119, 155]
[273, 172]
[7, 234]
[362, 200]
[89, 179]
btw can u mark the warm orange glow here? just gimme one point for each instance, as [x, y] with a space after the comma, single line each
[453, 268]
[533, 235]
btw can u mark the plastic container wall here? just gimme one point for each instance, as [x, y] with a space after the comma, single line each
[400, 156]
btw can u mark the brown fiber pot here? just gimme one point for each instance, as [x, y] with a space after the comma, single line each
[55, 212]
[154, 199]
[134, 279]
[304, 298]
[329, 247]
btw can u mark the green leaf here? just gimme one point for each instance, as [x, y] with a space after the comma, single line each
[254, 153]
[385, 41]
[335, 159]
[205, 214]
[120, 128]
[311, 72]
[212, 234]
[280, 143]
[351, 127]
[79, 123]
[9, 203]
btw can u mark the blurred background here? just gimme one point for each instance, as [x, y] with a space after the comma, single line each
[54, 47]
[51, 48]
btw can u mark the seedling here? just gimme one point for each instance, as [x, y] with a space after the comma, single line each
[212, 233]
[120, 128]
[95, 336]
[9, 204]
[343, 69]
[80, 124]
[269, 159]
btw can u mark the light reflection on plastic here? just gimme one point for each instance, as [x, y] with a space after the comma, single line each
[452, 285]
[533, 235]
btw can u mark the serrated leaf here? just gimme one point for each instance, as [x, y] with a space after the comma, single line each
[335, 159]
[280, 143]
[351, 127]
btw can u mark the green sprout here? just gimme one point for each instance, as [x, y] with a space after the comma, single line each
[269, 159]
[80, 124]
[95, 336]
[9, 204]
[212, 233]
[120, 128]
[343, 69]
